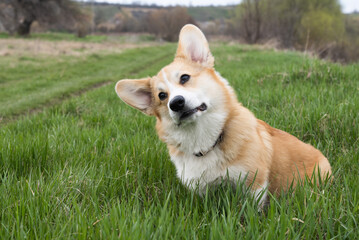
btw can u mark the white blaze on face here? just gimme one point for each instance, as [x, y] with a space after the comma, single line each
[169, 85]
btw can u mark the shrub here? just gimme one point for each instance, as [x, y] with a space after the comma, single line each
[320, 29]
[166, 23]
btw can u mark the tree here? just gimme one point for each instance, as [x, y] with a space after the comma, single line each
[251, 16]
[283, 19]
[18, 15]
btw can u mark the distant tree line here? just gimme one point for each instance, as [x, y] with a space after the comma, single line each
[17, 17]
[308, 25]
[165, 23]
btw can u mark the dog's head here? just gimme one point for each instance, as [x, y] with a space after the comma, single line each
[182, 91]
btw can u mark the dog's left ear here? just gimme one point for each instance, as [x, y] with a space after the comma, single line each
[193, 45]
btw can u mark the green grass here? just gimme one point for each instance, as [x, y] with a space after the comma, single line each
[93, 168]
[37, 81]
[68, 37]
[56, 36]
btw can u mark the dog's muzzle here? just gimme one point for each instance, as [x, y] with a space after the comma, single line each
[186, 114]
[178, 105]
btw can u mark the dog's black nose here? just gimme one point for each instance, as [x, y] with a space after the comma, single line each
[177, 103]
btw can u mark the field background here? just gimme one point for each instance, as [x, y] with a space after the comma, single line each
[77, 163]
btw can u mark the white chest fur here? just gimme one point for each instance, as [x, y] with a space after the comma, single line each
[198, 172]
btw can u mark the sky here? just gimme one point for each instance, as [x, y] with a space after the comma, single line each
[348, 6]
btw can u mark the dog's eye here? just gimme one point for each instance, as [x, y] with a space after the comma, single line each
[184, 78]
[162, 96]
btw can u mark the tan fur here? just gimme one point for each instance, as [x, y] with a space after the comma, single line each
[268, 152]
[269, 155]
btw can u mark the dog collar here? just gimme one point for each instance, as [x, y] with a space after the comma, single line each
[202, 153]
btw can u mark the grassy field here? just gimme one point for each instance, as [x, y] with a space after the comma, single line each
[34, 82]
[90, 167]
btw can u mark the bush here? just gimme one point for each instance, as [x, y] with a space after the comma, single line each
[345, 51]
[166, 23]
[320, 29]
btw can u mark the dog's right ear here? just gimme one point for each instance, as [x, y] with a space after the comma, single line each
[136, 93]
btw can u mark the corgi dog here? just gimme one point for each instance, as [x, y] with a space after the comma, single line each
[209, 134]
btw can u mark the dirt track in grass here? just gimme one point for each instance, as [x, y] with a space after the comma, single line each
[34, 47]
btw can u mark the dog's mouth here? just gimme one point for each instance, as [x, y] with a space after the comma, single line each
[186, 114]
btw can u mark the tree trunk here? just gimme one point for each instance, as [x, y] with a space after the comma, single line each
[23, 28]
[258, 22]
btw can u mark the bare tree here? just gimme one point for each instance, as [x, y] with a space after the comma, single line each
[251, 20]
[18, 15]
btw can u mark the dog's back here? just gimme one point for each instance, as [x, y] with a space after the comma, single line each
[293, 160]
